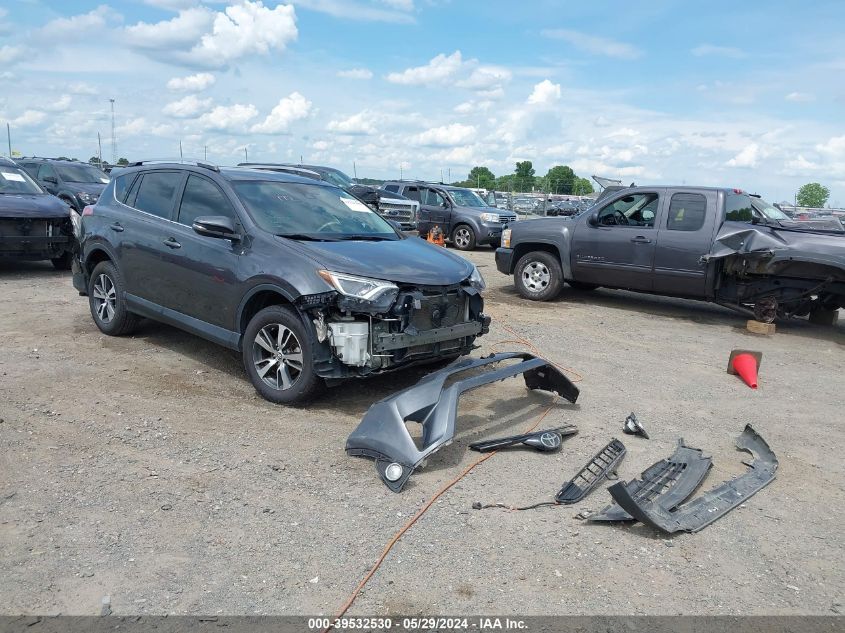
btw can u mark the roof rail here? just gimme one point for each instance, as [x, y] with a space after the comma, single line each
[180, 161]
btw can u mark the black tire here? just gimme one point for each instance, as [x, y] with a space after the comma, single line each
[265, 326]
[463, 237]
[63, 262]
[821, 316]
[538, 276]
[580, 285]
[106, 288]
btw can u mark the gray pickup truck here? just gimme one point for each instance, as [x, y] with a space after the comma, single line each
[711, 244]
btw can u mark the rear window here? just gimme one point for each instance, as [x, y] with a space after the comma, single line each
[687, 212]
[393, 188]
[156, 192]
[738, 207]
[121, 186]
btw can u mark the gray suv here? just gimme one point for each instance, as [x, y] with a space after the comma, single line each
[307, 282]
[466, 220]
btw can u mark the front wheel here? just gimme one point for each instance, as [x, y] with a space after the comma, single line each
[538, 276]
[107, 303]
[278, 358]
[463, 237]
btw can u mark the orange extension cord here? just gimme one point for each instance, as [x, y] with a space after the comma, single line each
[519, 340]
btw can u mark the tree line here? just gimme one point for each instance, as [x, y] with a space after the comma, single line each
[560, 179]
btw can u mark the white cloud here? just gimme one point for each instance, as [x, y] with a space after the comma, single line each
[396, 10]
[437, 69]
[748, 157]
[593, 44]
[801, 164]
[61, 105]
[361, 123]
[80, 26]
[229, 118]
[187, 107]
[800, 97]
[135, 127]
[171, 5]
[835, 146]
[489, 79]
[10, 54]
[356, 73]
[321, 146]
[402, 5]
[201, 37]
[191, 83]
[292, 108]
[705, 50]
[82, 88]
[445, 136]
[28, 119]
[471, 106]
[544, 93]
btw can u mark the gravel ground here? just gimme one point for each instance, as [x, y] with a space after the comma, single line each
[146, 469]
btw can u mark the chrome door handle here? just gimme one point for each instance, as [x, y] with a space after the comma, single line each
[172, 243]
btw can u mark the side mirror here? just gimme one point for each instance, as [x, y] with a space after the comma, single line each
[50, 179]
[216, 226]
[445, 204]
[593, 218]
[395, 225]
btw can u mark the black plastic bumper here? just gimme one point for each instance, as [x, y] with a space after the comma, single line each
[504, 260]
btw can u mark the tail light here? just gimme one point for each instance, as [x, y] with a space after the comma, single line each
[89, 210]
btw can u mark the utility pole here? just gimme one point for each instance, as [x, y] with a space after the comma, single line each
[113, 139]
[180, 149]
[400, 169]
[354, 170]
[246, 154]
[205, 153]
[9, 138]
[100, 150]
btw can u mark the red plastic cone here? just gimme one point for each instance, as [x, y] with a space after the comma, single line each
[746, 366]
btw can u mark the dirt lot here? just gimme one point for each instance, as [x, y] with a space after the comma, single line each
[147, 469]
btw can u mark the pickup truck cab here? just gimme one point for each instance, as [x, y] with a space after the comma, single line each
[703, 243]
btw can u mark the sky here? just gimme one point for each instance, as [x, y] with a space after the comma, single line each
[743, 94]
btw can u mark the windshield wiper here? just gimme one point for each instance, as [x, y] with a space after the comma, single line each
[304, 237]
[366, 238]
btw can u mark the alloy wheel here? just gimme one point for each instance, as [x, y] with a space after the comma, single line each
[536, 276]
[105, 298]
[462, 237]
[277, 355]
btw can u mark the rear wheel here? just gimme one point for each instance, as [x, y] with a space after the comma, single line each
[538, 276]
[463, 237]
[278, 358]
[821, 316]
[107, 303]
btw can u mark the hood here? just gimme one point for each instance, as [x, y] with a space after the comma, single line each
[31, 205]
[409, 261]
[95, 188]
[390, 195]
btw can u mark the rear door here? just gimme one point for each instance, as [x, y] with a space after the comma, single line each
[424, 218]
[619, 251]
[203, 269]
[48, 178]
[685, 235]
[143, 233]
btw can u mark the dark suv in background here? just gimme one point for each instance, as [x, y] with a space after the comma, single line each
[78, 184]
[460, 213]
[391, 206]
[34, 225]
[305, 280]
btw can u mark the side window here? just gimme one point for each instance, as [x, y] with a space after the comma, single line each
[392, 188]
[202, 197]
[433, 198]
[413, 193]
[156, 192]
[30, 168]
[687, 212]
[738, 208]
[121, 185]
[46, 171]
[637, 210]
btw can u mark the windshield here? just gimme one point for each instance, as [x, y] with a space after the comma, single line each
[769, 211]
[82, 173]
[16, 180]
[337, 178]
[310, 212]
[466, 198]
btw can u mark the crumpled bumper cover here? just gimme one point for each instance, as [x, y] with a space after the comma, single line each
[382, 434]
[712, 505]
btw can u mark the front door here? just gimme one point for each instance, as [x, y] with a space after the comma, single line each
[619, 250]
[48, 178]
[685, 235]
[438, 209]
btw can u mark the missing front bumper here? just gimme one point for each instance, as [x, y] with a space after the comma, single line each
[382, 434]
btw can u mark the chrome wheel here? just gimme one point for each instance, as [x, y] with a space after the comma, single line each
[105, 298]
[462, 237]
[536, 276]
[277, 356]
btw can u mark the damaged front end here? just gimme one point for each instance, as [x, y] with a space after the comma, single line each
[383, 436]
[368, 326]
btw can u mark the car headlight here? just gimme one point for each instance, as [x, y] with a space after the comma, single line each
[506, 238]
[490, 217]
[87, 198]
[476, 280]
[358, 287]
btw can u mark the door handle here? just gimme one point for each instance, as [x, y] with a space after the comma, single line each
[117, 227]
[172, 243]
[640, 240]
